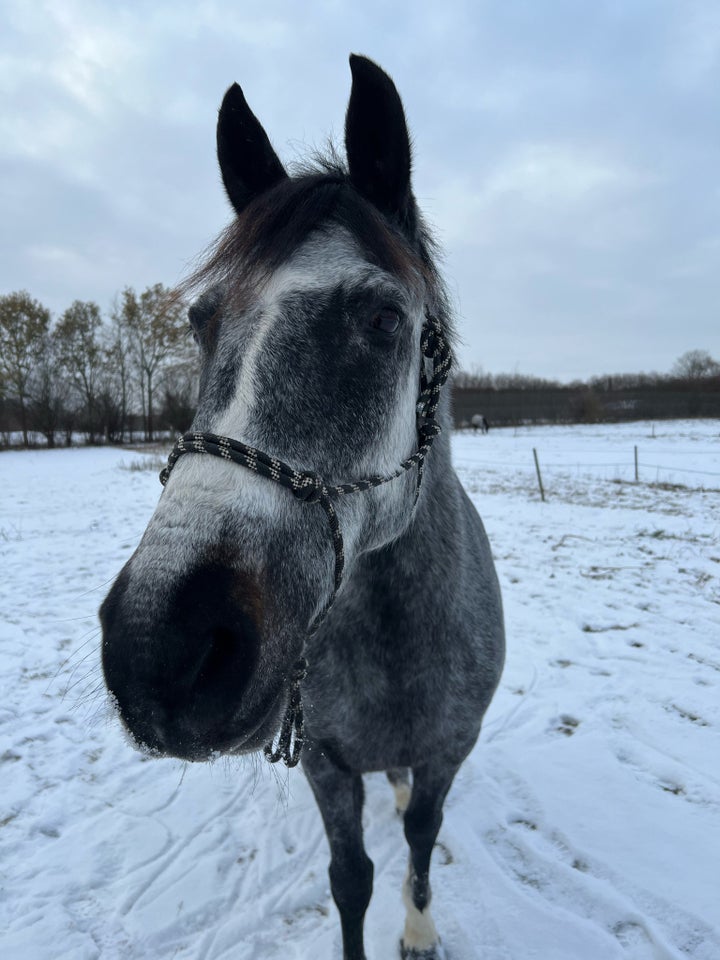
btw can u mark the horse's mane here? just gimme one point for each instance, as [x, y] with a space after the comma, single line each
[273, 226]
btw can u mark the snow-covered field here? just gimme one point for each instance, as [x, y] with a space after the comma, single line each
[584, 826]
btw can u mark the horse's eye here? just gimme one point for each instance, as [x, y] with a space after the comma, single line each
[387, 320]
[205, 310]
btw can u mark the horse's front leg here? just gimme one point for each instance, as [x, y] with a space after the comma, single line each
[423, 819]
[340, 796]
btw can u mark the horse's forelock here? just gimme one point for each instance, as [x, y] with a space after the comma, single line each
[276, 224]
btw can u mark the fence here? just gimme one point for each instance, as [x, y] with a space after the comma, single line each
[509, 406]
[566, 456]
[714, 476]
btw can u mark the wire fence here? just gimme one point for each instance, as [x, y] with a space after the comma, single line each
[547, 467]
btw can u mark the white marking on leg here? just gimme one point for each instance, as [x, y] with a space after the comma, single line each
[403, 791]
[420, 933]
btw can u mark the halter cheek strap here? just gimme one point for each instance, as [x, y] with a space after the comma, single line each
[309, 487]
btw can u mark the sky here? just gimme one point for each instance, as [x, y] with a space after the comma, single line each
[566, 153]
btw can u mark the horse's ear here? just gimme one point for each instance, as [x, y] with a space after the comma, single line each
[376, 139]
[248, 163]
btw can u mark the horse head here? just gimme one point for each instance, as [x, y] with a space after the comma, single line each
[309, 329]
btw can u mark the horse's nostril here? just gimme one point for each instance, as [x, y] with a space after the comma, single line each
[223, 642]
[230, 656]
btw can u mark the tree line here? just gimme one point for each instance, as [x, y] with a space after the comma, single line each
[120, 377]
[132, 374]
[694, 365]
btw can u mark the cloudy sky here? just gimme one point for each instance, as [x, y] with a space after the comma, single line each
[567, 153]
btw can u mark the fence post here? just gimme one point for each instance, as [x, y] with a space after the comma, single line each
[636, 466]
[537, 469]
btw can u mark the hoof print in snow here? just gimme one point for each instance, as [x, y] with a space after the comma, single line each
[567, 724]
[675, 788]
[443, 854]
[436, 952]
[522, 822]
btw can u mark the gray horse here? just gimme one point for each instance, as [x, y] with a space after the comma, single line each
[299, 590]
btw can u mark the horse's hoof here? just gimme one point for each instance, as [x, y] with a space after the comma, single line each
[436, 952]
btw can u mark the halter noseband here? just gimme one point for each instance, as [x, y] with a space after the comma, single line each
[309, 487]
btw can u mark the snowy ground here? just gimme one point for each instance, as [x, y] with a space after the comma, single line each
[584, 826]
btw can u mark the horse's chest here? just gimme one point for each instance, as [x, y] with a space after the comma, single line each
[379, 707]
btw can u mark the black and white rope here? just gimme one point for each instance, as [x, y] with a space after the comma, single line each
[311, 488]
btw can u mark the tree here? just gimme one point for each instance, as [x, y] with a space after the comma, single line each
[156, 332]
[49, 392]
[472, 379]
[115, 385]
[695, 365]
[24, 325]
[180, 394]
[80, 353]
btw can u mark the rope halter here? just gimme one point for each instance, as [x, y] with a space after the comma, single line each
[309, 487]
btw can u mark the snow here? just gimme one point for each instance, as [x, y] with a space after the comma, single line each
[584, 824]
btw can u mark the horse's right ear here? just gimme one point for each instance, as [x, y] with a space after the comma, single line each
[248, 163]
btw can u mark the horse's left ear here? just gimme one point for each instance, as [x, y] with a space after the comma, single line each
[377, 141]
[248, 163]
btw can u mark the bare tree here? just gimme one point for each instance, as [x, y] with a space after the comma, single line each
[115, 390]
[695, 365]
[180, 390]
[156, 331]
[49, 391]
[24, 325]
[469, 379]
[80, 353]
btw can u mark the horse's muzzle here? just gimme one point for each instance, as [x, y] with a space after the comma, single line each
[184, 674]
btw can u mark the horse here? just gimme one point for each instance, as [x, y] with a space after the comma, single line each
[314, 578]
[479, 422]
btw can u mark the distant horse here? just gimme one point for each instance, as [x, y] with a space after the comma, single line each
[479, 422]
[314, 571]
